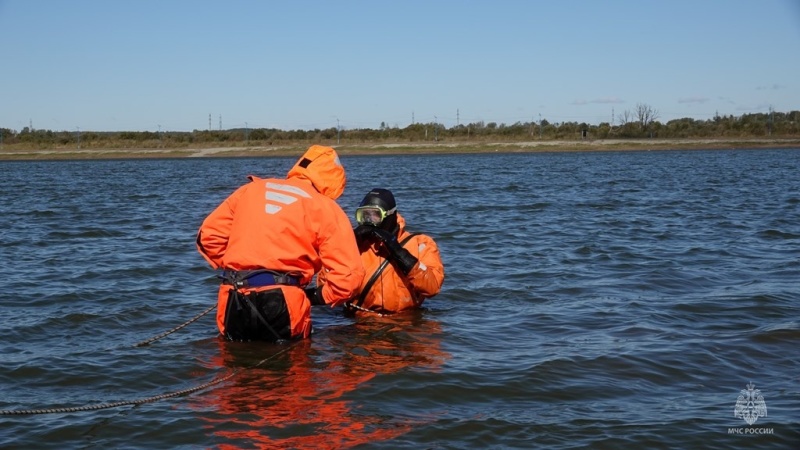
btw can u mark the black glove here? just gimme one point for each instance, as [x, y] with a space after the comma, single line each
[314, 295]
[363, 232]
[403, 258]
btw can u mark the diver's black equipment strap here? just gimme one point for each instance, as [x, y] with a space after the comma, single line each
[378, 272]
[261, 318]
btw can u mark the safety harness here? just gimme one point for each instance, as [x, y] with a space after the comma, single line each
[242, 279]
[257, 278]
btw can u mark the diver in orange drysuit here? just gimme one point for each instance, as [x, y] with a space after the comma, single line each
[270, 237]
[402, 269]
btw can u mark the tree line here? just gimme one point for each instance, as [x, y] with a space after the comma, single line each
[639, 123]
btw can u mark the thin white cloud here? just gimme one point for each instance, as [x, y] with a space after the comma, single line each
[602, 101]
[757, 108]
[693, 100]
[772, 87]
[726, 100]
[608, 100]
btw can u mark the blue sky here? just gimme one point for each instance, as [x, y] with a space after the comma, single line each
[114, 65]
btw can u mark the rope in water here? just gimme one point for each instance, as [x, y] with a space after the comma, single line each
[131, 402]
[143, 400]
[162, 396]
[354, 306]
[167, 333]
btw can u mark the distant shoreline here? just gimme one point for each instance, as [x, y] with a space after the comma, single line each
[9, 153]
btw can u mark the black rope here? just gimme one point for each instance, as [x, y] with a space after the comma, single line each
[23, 412]
[155, 398]
[361, 308]
[167, 333]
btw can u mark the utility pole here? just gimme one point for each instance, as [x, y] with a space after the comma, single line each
[435, 129]
[338, 132]
[458, 118]
[79, 137]
[220, 122]
[209, 121]
[770, 120]
[540, 126]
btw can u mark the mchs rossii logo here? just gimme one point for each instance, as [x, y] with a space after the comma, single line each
[749, 407]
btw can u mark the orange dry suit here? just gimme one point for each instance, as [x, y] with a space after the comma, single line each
[391, 291]
[292, 227]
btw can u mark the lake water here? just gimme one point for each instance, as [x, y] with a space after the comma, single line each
[601, 300]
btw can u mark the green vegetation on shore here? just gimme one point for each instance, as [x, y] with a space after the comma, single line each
[635, 132]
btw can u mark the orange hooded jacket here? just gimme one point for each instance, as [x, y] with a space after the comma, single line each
[291, 225]
[392, 292]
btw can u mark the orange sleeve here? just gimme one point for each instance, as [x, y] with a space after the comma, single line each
[342, 268]
[212, 238]
[427, 276]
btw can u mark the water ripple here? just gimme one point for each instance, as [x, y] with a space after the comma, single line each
[598, 300]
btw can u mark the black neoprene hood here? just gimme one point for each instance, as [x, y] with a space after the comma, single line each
[379, 197]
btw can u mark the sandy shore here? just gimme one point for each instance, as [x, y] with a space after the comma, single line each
[10, 153]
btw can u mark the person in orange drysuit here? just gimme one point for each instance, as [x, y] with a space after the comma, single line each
[270, 237]
[402, 269]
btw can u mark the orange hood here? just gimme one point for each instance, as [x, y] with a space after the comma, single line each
[321, 166]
